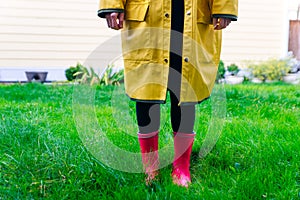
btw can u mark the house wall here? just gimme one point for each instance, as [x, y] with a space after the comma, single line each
[294, 8]
[49, 35]
[261, 32]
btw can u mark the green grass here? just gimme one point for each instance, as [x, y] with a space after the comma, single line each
[42, 155]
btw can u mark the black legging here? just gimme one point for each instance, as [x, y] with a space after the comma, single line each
[182, 117]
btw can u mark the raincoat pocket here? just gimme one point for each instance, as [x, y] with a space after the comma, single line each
[136, 32]
[136, 11]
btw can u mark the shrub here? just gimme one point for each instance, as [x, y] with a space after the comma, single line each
[221, 71]
[71, 71]
[89, 76]
[233, 69]
[272, 69]
[111, 77]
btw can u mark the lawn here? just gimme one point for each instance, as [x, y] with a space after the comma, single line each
[48, 151]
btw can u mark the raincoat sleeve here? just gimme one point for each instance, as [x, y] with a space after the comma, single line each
[109, 6]
[225, 9]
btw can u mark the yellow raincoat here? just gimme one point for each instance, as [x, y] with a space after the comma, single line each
[146, 44]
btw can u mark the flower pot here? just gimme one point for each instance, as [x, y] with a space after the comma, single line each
[36, 76]
[292, 78]
[234, 79]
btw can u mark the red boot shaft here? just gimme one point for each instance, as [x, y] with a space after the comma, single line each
[149, 149]
[183, 143]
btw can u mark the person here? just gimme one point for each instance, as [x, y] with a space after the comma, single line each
[169, 47]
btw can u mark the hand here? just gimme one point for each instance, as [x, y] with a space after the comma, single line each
[115, 20]
[221, 23]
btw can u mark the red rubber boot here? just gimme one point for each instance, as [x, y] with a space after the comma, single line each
[149, 149]
[183, 143]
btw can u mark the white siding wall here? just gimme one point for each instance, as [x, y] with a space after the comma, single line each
[294, 5]
[261, 32]
[48, 35]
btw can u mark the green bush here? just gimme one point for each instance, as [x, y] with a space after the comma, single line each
[89, 76]
[71, 71]
[233, 69]
[112, 78]
[221, 71]
[272, 69]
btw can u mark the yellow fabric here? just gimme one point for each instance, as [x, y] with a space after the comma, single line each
[112, 4]
[225, 7]
[146, 42]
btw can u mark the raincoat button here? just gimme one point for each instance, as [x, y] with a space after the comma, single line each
[166, 60]
[167, 15]
[188, 12]
[186, 59]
